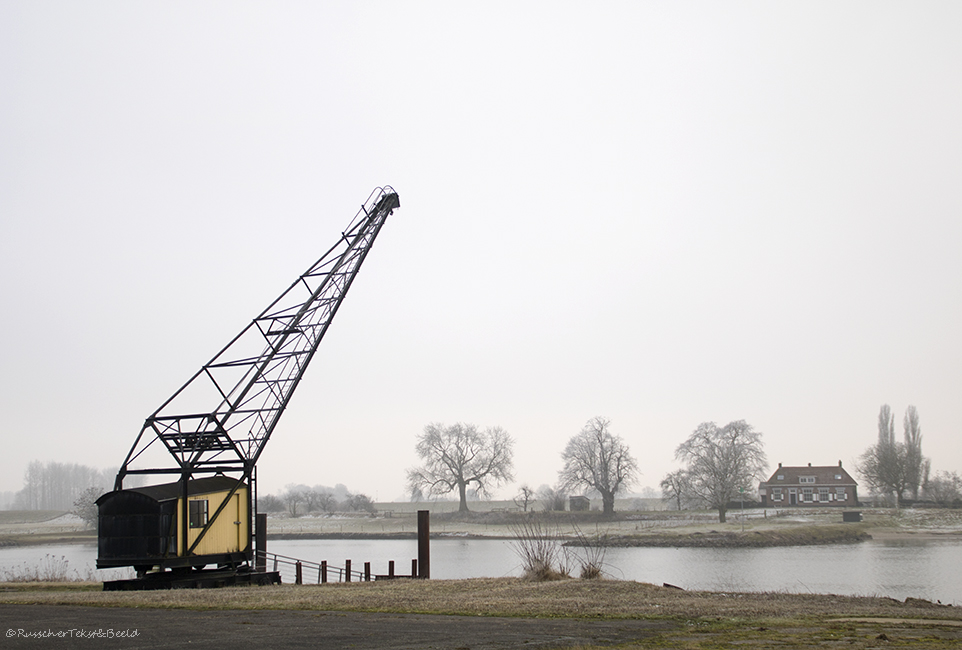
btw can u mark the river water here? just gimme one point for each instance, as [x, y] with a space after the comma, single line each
[930, 569]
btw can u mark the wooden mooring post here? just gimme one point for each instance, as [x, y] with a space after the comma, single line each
[347, 570]
[424, 545]
[298, 573]
[260, 543]
[323, 571]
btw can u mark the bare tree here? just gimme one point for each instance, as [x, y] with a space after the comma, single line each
[85, 506]
[358, 503]
[294, 497]
[319, 498]
[460, 455]
[676, 487]
[525, 497]
[945, 489]
[721, 462]
[598, 460]
[269, 503]
[325, 500]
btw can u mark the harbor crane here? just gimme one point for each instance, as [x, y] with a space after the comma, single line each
[214, 428]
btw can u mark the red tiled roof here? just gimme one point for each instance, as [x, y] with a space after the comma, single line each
[824, 475]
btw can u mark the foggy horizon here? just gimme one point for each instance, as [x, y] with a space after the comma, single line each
[662, 214]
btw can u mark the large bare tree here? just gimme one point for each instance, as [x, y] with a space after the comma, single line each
[598, 460]
[458, 456]
[722, 461]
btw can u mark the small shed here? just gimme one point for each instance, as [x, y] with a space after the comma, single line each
[579, 504]
[144, 527]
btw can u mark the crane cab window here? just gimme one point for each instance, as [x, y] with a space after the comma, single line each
[198, 513]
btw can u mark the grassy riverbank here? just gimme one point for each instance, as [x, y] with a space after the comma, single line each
[798, 536]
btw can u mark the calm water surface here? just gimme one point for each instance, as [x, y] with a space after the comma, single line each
[930, 569]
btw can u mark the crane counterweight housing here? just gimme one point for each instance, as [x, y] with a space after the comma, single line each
[214, 428]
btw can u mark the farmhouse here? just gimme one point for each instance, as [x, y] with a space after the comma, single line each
[809, 486]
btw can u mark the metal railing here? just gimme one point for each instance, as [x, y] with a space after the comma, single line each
[305, 570]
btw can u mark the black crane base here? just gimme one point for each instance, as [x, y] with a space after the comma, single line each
[207, 579]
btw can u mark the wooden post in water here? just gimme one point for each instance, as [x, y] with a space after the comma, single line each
[260, 543]
[347, 570]
[298, 575]
[324, 571]
[367, 572]
[414, 568]
[424, 544]
[390, 568]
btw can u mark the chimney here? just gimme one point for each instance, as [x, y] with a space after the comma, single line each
[809, 464]
[779, 466]
[839, 463]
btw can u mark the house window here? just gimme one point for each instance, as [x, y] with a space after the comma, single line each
[776, 494]
[823, 494]
[807, 493]
[198, 513]
[840, 494]
[838, 477]
[806, 479]
[780, 477]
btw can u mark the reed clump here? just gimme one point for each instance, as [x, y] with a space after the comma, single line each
[50, 569]
[547, 555]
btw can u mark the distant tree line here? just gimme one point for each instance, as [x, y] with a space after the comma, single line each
[57, 486]
[298, 499]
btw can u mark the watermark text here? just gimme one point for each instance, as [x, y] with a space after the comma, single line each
[72, 633]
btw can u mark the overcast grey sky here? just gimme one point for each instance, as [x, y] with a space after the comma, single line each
[664, 213]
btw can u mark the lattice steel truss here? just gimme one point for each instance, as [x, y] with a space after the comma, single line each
[252, 379]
